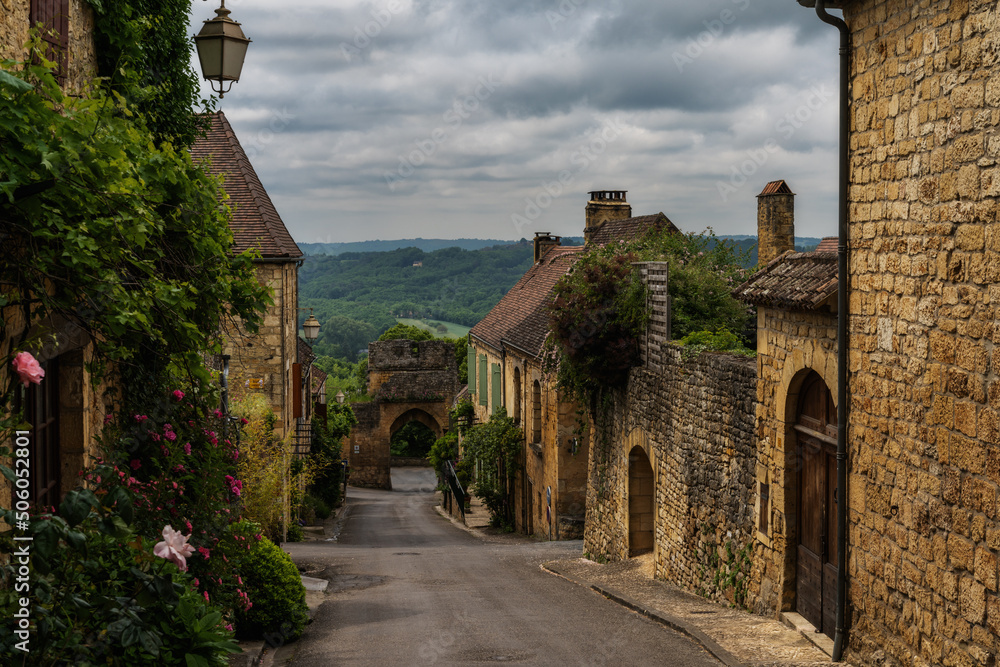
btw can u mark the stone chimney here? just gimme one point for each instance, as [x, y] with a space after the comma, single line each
[543, 243]
[775, 221]
[605, 205]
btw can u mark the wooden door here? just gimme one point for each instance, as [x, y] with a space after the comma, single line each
[816, 555]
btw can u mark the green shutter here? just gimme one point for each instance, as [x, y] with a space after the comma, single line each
[472, 370]
[484, 381]
[497, 389]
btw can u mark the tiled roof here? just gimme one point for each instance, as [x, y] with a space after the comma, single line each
[794, 280]
[256, 223]
[304, 353]
[630, 228]
[828, 244]
[318, 378]
[776, 188]
[521, 319]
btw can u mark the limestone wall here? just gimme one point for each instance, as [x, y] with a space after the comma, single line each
[262, 363]
[82, 62]
[925, 282]
[790, 344]
[694, 420]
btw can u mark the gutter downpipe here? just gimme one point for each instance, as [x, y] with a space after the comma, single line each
[842, 318]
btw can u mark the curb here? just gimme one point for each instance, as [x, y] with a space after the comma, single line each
[685, 628]
[458, 524]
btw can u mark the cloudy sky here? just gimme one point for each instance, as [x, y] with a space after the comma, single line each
[494, 118]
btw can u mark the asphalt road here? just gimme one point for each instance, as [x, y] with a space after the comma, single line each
[410, 588]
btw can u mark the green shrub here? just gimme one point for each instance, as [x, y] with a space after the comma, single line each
[317, 507]
[275, 588]
[101, 597]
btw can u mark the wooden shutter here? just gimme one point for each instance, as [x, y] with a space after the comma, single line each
[484, 381]
[497, 389]
[54, 17]
[296, 390]
[472, 370]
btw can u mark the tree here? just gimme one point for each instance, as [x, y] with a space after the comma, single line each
[406, 332]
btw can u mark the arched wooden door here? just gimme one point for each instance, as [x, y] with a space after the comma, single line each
[640, 503]
[816, 568]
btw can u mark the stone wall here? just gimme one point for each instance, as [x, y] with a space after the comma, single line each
[694, 420]
[790, 344]
[262, 363]
[14, 25]
[925, 282]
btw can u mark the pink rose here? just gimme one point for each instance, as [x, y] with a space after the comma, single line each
[174, 547]
[27, 368]
[178, 394]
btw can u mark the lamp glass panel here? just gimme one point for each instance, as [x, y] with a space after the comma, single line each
[233, 62]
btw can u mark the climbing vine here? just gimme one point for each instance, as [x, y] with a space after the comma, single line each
[726, 574]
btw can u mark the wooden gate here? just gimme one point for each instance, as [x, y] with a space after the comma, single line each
[816, 569]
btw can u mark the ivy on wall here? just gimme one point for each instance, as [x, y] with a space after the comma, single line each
[144, 55]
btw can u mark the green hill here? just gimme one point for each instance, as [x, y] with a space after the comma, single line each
[358, 295]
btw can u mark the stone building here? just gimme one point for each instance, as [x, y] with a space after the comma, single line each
[923, 427]
[409, 382]
[505, 370]
[794, 485]
[266, 362]
[506, 356]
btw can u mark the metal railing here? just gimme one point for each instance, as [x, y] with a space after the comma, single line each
[456, 487]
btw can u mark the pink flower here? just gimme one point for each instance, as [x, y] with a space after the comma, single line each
[107, 418]
[187, 448]
[204, 552]
[178, 394]
[136, 464]
[141, 418]
[174, 547]
[170, 435]
[27, 368]
[206, 596]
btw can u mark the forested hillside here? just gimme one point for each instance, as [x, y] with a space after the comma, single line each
[357, 296]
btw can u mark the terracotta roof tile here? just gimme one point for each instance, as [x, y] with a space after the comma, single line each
[628, 229]
[521, 319]
[256, 223]
[796, 281]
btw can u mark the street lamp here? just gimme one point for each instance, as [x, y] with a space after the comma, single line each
[222, 46]
[340, 397]
[310, 326]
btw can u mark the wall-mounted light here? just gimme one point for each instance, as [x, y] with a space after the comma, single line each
[310, 326]
[222, 46]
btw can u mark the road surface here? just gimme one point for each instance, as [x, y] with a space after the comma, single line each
[410, 588]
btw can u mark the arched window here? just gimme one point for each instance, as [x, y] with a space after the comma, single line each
[536, 413]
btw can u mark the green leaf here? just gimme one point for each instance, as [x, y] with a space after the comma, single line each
[75, 507]
[11, 81]
[193, 660]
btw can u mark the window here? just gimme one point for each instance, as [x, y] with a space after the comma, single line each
[41, 410]
[54, 17]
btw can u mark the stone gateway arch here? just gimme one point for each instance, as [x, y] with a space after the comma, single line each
[409, 382]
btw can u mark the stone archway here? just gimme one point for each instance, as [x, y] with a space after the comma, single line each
[416, 414]
[410, 382]
[641, 495]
